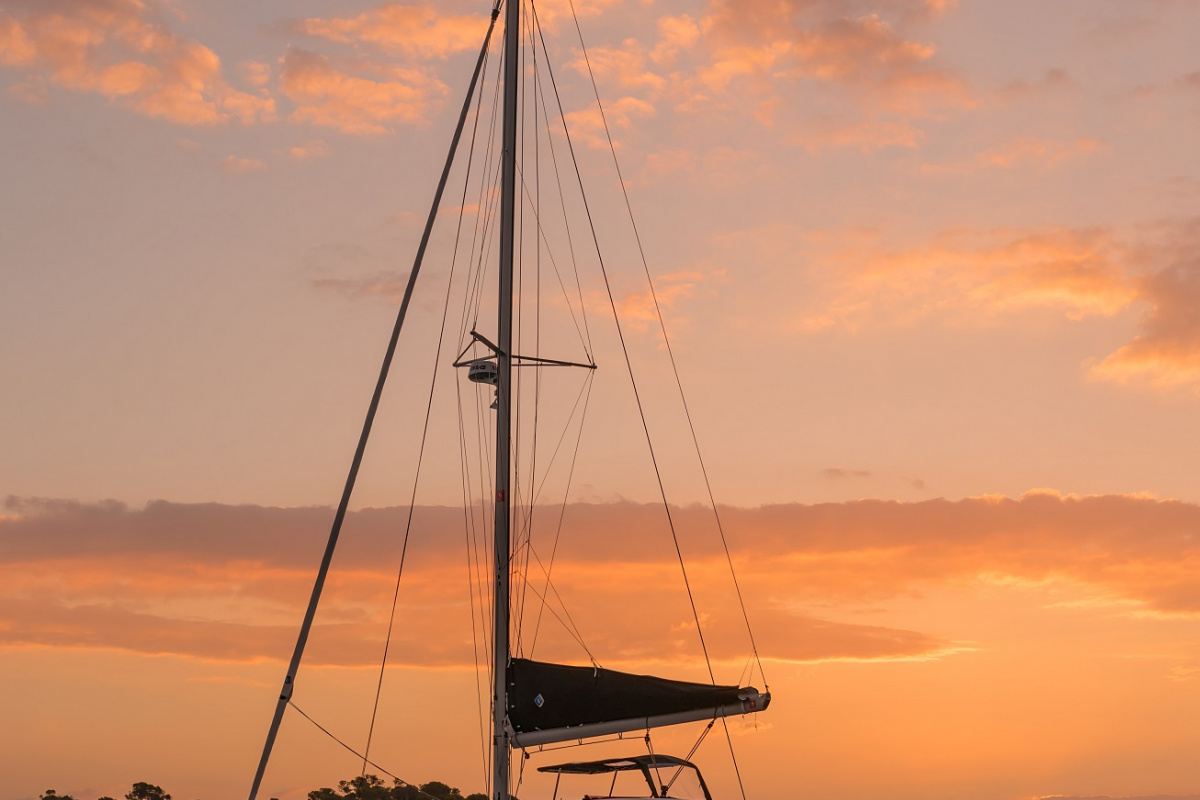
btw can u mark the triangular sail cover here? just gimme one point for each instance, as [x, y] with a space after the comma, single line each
[555, 700]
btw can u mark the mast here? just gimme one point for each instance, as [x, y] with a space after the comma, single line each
[500, 548]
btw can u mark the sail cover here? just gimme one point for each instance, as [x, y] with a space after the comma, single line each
[554, 702]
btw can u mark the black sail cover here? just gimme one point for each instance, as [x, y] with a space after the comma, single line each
[545, 696]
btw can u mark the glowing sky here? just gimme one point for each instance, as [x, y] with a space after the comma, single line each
[932, 275]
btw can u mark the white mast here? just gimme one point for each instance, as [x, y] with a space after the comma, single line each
[508, 188]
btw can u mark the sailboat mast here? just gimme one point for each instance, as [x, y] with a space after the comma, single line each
[500, 605]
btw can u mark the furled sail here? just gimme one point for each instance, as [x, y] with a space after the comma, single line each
[554, 702]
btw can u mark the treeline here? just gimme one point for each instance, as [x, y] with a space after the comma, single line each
[369, 787]
[364, 787]
[140, 791]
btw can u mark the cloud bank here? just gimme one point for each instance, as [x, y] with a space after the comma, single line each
[228, 582]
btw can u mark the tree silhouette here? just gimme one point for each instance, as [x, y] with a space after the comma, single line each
[371, 787]
[441, 791]
[146, 791]
[50, 794]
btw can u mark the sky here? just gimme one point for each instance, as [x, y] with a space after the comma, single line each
[931, 275]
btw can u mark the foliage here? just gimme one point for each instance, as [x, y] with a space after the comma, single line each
[441, 791]
[363, 787]
[146, 791]
[371, 787]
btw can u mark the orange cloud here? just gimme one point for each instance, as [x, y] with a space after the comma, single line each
[355, 96]
[228, 582]
[588, 126]
[1079, 271]
[674, 34]
[827, 42]
[638, 307]
[755, 58]
[240, 166]
[116, 48]
[312, 149]
[386, 285]
[1024, 151]
[418, 30]
[1166, 353]
[865, 135]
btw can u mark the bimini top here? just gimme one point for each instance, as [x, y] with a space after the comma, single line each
[642, 764]
[617, 765]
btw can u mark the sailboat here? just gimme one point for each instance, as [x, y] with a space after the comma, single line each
[533, 703]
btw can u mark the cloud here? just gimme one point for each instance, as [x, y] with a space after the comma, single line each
[120, 49]
[838, 473]
[421, 31]
[639, 307]
[675, 34]
[588, 125]
[256, 72]
[867, 135]
[836, 42]
[1023, 152]
[777, 61]
[240, 166]
[1052, 82]
[1078, 272]
[625, 67]
[387, 285]
[356, 95]
[225, 583]
[1166, 352]
[315, 148]
[228, 582]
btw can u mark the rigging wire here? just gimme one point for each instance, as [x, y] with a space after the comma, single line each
[517, 506]
[469, 529]
[563, 506]
[571, 629]
[670, 351]
[351, 477]
[331, 735]
[563, 206]
[683, 399]
[485, 210]
[537, 338]
[629, 368]
[554, 263]
[416, 482]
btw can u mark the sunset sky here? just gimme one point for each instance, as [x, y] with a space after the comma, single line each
[931, 271]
